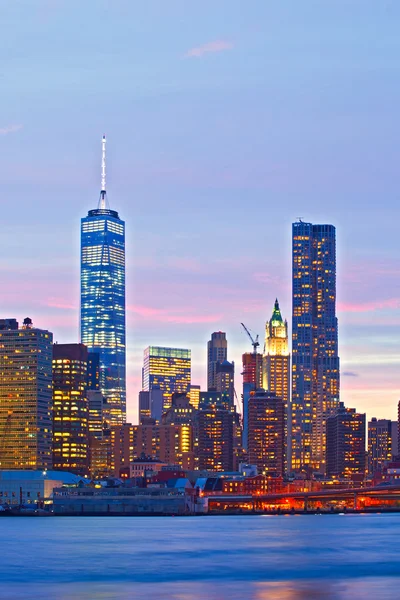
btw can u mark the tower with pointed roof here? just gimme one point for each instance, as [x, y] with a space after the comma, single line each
[276, 365]
[102, 318]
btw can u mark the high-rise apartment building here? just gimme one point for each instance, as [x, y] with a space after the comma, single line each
[315, 361]
[25, 396]
[103, 299]
[266, 443]
[217, 351]
[168, 369]
[345, 443]
[276, 367]
[379, 444]
[70, 408]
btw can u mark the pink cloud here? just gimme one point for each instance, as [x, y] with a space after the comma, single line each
[61, 304]
[168, 316]
[361, 307]
[210, 47]
[10, 129]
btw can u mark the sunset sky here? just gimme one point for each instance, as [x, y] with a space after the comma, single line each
[226, 120]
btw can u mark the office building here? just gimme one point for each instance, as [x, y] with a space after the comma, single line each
[379, 444]
[276, 366]
[225, 379]
[315, 361]
[194, 395]
[168, 369]
[345, 443]
[70, 409]
[266, 445]
[215, 437]
[25, 396]
[103, 299]
[217, 351]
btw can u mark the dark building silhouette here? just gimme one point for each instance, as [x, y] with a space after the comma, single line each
[217, 352]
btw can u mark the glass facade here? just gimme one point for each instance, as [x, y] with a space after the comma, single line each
[70, 408]
[103, 304]
[167, 368]
[315, 360]
[25, 397]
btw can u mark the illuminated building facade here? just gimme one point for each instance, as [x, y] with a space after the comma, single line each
[103, 300]
[345, 443]
[194, 395]
[276, 366]
[25, 396]
[217, 351]
[70, 408]
[168, 369]
[315, 361]
[266, 445]
[379, 444]
[215, 437]
[123, 442]
[169, 443]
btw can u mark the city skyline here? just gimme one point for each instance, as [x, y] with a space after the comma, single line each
[260, 142]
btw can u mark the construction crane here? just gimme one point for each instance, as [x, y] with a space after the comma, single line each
[255, 343]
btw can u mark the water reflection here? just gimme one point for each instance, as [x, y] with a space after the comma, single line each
[216, 558]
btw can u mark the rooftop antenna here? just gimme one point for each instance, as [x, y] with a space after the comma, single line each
[300, 219]
[103, 193]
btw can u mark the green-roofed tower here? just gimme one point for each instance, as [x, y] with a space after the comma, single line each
[276, 363]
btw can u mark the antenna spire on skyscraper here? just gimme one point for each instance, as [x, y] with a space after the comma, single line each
[103, 193]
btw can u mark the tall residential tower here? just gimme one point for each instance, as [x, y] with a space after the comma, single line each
[103, 299]
[315, 360]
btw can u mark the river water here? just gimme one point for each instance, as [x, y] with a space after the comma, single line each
[201, 558]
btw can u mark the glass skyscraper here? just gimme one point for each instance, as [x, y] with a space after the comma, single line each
[103, 300]
[315, 360]
[167, 368]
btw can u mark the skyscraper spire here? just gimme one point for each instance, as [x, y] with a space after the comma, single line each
[103, 193]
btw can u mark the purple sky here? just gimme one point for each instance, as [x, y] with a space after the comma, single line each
[225, 122]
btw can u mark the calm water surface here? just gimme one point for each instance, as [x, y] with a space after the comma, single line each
[213, 558]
